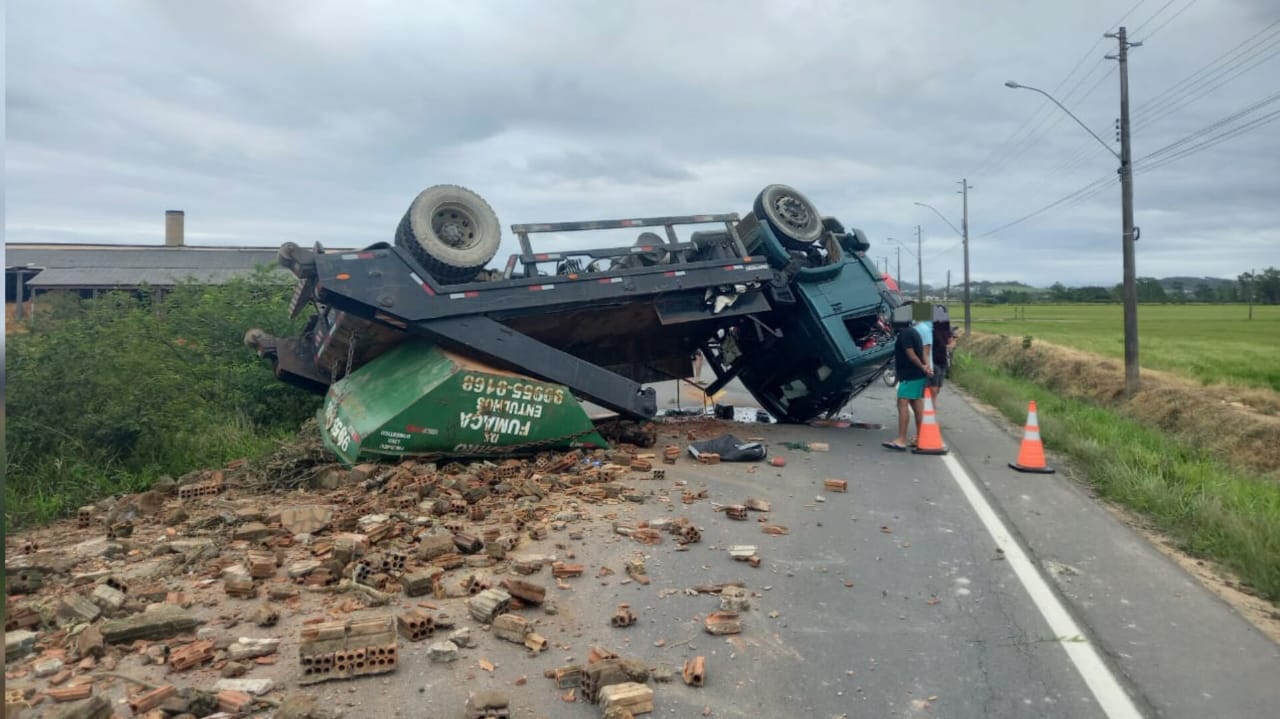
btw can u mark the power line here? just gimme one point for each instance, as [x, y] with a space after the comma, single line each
[1050, 206]
[1205, 68]
[1000, 156]
[1206, 90]
[1221, 137]
[1146, 164]
[1238, 60]
[1253, 107]
[1173, 17]
[1154, 15]
[1085, 149]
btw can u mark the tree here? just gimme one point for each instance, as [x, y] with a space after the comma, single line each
[1179, 294]
[1150, 290]
[1204, 293]
[1267, 286]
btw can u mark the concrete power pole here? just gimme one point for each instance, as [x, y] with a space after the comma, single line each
[947, 295]
[1131, 381]
[898, 276]
[964, 225]
[919, 264]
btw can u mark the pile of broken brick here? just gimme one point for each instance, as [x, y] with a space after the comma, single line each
[445, 536]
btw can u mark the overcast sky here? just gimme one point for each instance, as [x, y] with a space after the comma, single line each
[319, 121]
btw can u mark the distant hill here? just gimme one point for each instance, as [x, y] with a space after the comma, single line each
[1190, 283]
[995, 288]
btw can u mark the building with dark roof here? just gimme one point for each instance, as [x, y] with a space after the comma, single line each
[33, 269]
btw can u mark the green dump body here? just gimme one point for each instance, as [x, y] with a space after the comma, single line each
[420, 400]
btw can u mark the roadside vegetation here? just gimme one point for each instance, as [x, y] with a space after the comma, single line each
[106, 395]
[1201, 464]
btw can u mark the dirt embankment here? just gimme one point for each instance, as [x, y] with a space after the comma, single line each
[1240, 426]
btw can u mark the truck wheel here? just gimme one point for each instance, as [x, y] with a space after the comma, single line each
[792, 217]
[452, 231]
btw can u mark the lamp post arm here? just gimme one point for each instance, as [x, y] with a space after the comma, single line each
[941, 217]
[1072, 115]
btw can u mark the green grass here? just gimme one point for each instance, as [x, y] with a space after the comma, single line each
[1209, 509]
[54, 486]
[1207, 343]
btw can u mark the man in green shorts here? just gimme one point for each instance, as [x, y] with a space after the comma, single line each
[913, 373]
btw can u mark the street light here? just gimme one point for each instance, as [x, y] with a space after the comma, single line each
[919, 255]
[964, 184]
[1016, 86]
[1130, 233]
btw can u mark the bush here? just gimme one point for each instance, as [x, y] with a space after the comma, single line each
[107, 394]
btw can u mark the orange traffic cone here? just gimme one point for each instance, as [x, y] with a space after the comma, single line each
[930, 439]
[1031, 455]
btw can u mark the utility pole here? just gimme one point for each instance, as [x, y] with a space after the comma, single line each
[964, 225]
[1131, 376]
[898, 276]
[1253, 279]
[919, 264]
[947, 296]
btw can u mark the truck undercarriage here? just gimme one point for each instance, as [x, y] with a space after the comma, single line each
[782, 300]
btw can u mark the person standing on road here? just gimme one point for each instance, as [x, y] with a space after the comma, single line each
[925, 328]
[943, 342]
[909, 361]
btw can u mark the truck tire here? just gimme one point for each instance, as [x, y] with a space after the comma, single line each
[793, 219]
[452, 231]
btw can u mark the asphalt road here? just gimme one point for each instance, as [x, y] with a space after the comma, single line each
[888, 601]
[937, 622]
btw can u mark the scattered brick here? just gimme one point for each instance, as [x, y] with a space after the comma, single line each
[835, 485]
[72, 693]
[486, 705]
[630, 697]
[525, 591]
[695, 671]
[191, 655]
[511, 627]
[415, 625]
[719, 623]
[561, 570]
[234, 702]
[569, 677]
[535, 642]
[488, 604]
[340, 650]
[149, 700]
[623, 616]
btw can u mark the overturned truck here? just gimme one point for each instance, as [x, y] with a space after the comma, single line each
[421, 350]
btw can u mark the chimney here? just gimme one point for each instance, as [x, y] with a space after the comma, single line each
[173, 231]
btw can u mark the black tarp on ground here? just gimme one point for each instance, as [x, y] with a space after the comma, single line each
[730, 449]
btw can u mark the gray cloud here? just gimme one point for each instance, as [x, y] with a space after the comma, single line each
[320, 121]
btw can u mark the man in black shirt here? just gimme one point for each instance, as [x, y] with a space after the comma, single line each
[913, 374]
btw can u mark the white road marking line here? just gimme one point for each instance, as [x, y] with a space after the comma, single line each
[1106, 688]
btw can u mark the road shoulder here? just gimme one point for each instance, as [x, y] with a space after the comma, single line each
[1187, 651]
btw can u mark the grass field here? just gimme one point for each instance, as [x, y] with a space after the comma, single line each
[1207, 343]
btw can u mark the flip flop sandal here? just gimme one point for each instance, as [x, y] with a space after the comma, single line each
[894, 446]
